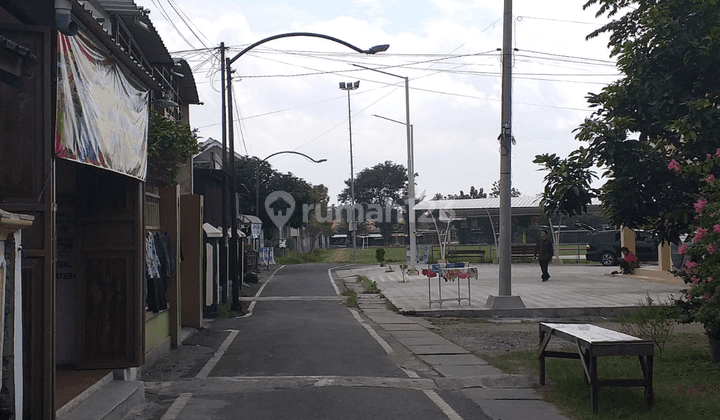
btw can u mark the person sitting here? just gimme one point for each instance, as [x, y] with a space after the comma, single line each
[629, 261]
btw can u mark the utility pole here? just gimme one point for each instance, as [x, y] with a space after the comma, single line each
[224, 228]
[505, 300]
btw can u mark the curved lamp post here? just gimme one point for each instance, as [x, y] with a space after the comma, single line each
[226, 72]
[257, 174]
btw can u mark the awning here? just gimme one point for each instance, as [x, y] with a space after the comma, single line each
[211, 231]
[249, 219]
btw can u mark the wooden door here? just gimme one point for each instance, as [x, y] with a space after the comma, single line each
[110, 293]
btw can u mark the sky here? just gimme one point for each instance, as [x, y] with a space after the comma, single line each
[287, 95]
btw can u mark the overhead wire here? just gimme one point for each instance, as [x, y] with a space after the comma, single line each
[188, 22]
[164, 13]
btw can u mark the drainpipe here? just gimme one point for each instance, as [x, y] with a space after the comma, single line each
[63, 17]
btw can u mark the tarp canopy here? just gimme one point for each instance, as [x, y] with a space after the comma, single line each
[101, 117]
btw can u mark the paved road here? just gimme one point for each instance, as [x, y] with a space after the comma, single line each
[301, 354]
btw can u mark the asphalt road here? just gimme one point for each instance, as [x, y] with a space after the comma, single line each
[302, 354]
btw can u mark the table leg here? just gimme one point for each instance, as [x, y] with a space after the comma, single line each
[429, 292]
[648, 374]
[459, 295]
[593, 382]
[468, 279]
[542, 358]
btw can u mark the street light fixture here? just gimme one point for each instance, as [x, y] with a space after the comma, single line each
[257, 174]
[257, 183]
[226, 71]
[411, 168]
[352, 224]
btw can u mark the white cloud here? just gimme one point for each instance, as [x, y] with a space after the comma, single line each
[454, 102]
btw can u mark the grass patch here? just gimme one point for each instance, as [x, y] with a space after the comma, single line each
[316, 256]
[225, 312]
[370, 286]
[351, 301]
[686, 383]
[342, 255]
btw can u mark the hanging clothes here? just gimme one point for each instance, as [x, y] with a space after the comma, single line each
[157, 281]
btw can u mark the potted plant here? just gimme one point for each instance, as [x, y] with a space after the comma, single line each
[380, 256]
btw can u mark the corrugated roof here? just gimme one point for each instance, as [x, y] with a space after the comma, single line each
[186, 84]
[483, 207]
[152, 45]
[477, 203]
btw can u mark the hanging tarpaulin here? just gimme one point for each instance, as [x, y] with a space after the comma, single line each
[101, 117]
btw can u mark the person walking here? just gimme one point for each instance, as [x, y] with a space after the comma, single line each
[544, 253]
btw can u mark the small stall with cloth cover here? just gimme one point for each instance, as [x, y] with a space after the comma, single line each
[449, 272]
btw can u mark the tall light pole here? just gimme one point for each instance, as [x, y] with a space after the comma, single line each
[411, 168]
[227, 92]
[505, 299]
[352, 224]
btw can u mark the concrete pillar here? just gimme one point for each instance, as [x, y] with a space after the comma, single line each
[627, 239]
[664, 259]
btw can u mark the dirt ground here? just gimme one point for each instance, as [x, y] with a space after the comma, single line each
[498, 336]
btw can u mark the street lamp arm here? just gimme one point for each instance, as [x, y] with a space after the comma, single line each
[373, 50]
[380, 71]
[297, 153]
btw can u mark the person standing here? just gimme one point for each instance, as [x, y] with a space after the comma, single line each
[544, 253]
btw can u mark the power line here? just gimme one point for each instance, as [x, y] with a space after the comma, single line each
[187, 22]
[170, 21]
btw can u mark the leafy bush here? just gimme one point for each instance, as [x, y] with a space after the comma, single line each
[650, 322]
[380, 255]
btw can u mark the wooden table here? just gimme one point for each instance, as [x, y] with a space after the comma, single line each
[592, 342]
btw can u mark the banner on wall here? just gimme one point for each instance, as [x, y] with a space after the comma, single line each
[101, 117]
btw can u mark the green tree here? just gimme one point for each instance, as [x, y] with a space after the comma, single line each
[270, 180]
[385, 184]
[654, 133]
[462, 196]
[170, 144]
[495, 191]
[663, 107]
[314, 228]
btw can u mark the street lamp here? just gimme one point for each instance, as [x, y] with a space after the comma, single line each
[226, 71]
[257, 174]
[352, 224]
[411, 168]
[257, 184]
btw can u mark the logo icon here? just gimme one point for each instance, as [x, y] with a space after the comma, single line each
[280, 206]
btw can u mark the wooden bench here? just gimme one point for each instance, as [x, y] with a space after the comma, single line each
[592, 342]
[479, 253]
[522, 251]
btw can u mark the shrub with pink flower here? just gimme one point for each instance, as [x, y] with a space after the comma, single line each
[674, 165]
[700, 233]
[704, 263]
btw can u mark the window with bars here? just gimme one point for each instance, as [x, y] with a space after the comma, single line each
[152, 210]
